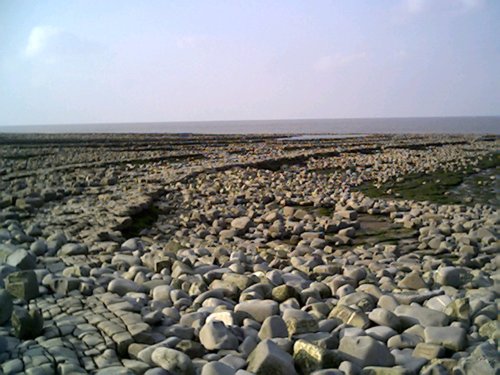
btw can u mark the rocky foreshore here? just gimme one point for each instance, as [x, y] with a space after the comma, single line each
[222, 255]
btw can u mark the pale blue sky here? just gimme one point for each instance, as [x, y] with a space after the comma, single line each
[125, 61]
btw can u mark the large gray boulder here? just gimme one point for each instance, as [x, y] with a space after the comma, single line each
[268, 358]
[309, 357]
[22, 259]
[365, 351]
[215, 336]
[452, 276]
[453, 338]
[414, 314]
[298, 321]
[258, 309]
[174, 361]
[273, 326]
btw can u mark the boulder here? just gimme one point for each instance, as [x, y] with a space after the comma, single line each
[274, 326]
[414, 314]
[124, 286]
[453, 338]
[268, 358]
[365, 351]
[174, 361]
[259, 310]
[22, 284]
[27, 324]
[452, 276]
[350, 316]
[298, 321]
[215, 336]
[309, 357]
[22, 259]
[217, 368]
[241, 224]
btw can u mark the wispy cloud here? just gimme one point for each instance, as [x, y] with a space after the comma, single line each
[327, 63]
[51, 43]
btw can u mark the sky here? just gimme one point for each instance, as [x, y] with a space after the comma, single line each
[93, 61]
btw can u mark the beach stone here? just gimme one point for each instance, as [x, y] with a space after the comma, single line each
[258, 309]
[241, 224]
[309, 357]
[384, 317]
[350, 316]
[274, 326]
[22, 284]
[361, 300]
[124, 286]
[490, 330]
[14, 366]
[114, 370]
[298, 321]
[403, 341]
[192, 348]
[174, 361]
[217, 368]
[414, 314]
[6, 306]
[226, 317]
[131, 244]
[453, 338]
[22, 259]
[215, 335]
[484, 359]
[268, 358]
[452, 276]
[438, 303]
[39, 247]
[64, 285]
[379, 370]
[413, 281]
[283, 292]
[459, 309]
[428, 351]
[329, 371]
[365, 351]
[70, 249]
[381, 333]
[27, 324]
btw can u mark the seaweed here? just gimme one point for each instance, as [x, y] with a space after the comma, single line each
[433, 187]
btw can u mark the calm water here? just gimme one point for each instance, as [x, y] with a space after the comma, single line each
[455, 125]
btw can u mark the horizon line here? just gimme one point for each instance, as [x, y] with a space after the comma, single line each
[253, 120]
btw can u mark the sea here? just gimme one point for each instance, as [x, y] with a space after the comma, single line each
[347, 127]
